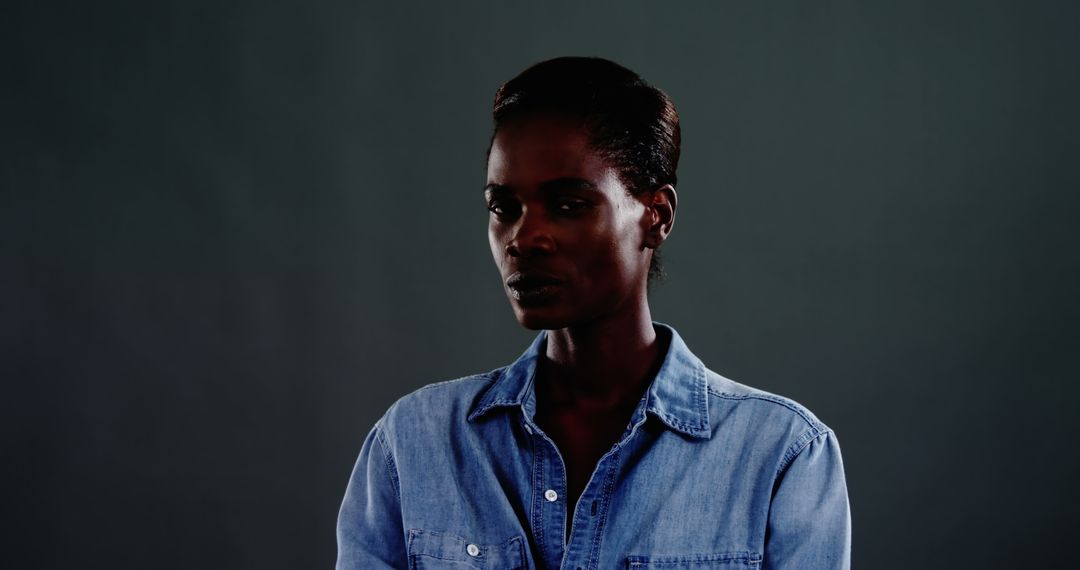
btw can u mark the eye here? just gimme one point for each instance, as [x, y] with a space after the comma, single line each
[572, 206]
[501, 208]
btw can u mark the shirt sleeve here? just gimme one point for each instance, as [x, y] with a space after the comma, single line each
[369, 527]
[809, 520]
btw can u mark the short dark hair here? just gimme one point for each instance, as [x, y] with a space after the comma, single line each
[631, 124]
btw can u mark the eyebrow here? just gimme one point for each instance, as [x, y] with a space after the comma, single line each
[553, 185]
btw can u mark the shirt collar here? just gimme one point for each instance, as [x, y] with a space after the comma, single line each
[678, 396]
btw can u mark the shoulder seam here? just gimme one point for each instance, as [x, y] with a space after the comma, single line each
[486, 376]
[812, 422]
[388, 459]
[799, 445]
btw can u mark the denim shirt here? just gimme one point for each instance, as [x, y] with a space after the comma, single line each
[708, 474]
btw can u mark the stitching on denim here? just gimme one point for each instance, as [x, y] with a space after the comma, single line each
[798, 409]
[502, 549]
[801, 443]
[435, 556]
[609, 484]
[702, 395]
[409, 547]
[388, 459]
[494, 403]
[486, 376]
[493, 377]
[537, 505]
[676, 422]
[745, 558]
[415, 532]
[699, 403]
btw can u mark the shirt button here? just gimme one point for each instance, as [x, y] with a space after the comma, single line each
[551, 495]
[472, 549]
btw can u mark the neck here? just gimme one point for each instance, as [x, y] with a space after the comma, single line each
[604, 364]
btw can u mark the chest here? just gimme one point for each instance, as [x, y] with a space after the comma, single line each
[582, 439]
[656, 494]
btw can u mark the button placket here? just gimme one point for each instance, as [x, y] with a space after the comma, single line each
[549, 518]
[587, 530]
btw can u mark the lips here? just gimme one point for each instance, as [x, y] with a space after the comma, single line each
[532, 287]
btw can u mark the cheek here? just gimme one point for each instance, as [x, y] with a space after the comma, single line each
[496, 241]
[605, 255]
[616, 256]
[493, 243]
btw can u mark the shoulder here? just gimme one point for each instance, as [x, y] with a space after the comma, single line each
[437, 404]
[761, 415]
[751, 413]
[726, 392]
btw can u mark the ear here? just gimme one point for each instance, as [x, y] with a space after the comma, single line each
[659, 215]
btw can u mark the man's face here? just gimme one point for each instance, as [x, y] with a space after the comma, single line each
[564, 232]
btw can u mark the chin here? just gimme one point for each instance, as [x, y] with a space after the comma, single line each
[537, 318]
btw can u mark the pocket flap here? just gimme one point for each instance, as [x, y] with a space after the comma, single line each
[508, 554]
[692, 561]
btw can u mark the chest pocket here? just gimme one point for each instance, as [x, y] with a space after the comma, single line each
[725, 561]
[430, 550]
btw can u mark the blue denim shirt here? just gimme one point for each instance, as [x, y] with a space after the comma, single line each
[708, 474]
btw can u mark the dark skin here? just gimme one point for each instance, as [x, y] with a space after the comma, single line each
[573, 248]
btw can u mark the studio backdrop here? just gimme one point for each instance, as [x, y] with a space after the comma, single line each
[233, 233]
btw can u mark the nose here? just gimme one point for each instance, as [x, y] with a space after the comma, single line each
[530, 236]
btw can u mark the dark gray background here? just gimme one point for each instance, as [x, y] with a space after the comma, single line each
[234, 232]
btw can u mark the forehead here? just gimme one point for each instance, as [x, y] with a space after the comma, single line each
[528, 151]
